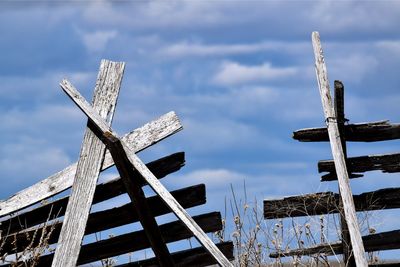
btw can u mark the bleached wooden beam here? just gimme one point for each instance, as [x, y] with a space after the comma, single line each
[88, 168]
[137, 140]
[337, 152]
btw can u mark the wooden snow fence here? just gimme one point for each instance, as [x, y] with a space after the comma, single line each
[343, 168]
[44, 230]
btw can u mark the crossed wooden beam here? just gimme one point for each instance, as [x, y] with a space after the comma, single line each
[98, 137]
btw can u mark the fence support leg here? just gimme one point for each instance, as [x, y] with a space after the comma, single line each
[348, 257]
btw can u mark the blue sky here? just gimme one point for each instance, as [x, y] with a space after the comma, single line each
[239, 74]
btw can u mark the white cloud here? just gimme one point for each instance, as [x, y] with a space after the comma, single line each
[157, 14]
[98, 40]
[354, 16]
[29, 160]
[233, 73]
[352, 67]
[185, 48]
[213, 178]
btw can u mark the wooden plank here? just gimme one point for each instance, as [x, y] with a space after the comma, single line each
[138, 140]
[106, 219]
[375, 242]
[88, 168]
[328, 203]
[136, 241]
[130, 179]
[55, 209]
[387, 163]
[337, 152]
[357, 132]
[104, 131]
[192, 257]
[348, 257]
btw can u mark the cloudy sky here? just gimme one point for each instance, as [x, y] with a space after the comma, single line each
[239, 74]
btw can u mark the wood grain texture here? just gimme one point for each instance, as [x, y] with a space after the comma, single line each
[105, 219]
[135, 241]
[357, 132]
[328, 203]
[337, 152]
[374, 242]
[130, 179]
[88, 168]
[387, 163]
[137, 140]
[105, 132]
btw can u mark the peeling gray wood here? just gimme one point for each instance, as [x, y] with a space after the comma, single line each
[337, 151]
[106, 132]
[137, 140]
[88, 168]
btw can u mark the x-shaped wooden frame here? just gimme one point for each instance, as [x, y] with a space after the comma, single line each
[127, 161]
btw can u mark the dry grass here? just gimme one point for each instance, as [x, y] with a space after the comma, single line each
[255, 238]
[39, 245]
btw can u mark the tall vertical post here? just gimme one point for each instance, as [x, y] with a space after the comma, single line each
[337, 152]
[88, 169]
[348, 257]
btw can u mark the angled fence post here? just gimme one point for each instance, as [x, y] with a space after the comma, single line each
[338, 155]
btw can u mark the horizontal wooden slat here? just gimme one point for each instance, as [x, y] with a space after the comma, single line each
[104, 191]
[192, 257]
[360, 132]
[328, 202]
[387, 163]
[107, 219]
[139, 139]
[375, 242]
[135, 241]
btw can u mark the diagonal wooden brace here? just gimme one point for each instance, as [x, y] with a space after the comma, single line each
[135, 192]
[338, 155]
[105, 132]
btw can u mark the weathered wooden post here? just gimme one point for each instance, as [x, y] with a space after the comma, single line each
[88, 168]
[337, 152]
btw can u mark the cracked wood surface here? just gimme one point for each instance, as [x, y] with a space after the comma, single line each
[88, 168]
[137, 140]
[337, 152]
